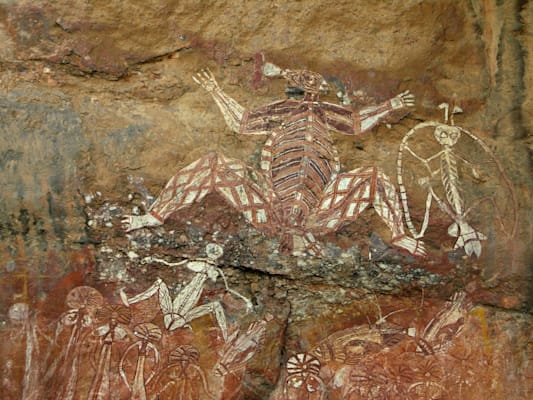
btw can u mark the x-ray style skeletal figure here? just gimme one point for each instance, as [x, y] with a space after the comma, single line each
[299, 191]
[184, 308]
[442, 170]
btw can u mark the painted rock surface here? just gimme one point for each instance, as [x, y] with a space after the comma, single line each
[244, 233]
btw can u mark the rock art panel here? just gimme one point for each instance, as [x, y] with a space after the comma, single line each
[300, 191]
[97, 93]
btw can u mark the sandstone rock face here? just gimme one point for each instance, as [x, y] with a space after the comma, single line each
[99, 110]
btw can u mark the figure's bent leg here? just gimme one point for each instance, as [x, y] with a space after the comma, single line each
[351, 193]
[387, 205]
[152, 290]
[232, 179]
[214, 309]
[191, 183]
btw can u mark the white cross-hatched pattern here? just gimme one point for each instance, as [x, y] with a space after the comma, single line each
[298, 192]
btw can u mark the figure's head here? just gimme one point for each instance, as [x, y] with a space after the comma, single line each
[147, 331]
[447, 135]
[214, 251]
[184, 354]
[308, 81]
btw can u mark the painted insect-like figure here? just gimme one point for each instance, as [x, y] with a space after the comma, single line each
[184, 308]
[349, 346]
[448, 323]
[303, 381]
[228, 374]
[182, 379]
[452, 202]
[300, 191]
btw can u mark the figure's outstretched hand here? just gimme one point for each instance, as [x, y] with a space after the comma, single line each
[403, 100]
[133, 222]
[206, 79]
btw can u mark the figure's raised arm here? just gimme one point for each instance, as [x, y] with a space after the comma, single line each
[231, 110]
[348, 122]
[371, 116]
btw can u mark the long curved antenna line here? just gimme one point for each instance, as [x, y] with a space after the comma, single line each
[504, 177]
[403, 193]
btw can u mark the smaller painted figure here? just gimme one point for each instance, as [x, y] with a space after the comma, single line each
[300, 191]
[184, 308]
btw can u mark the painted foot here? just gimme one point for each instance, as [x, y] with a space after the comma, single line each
[133, 222]
[413, 246]
[467, 237]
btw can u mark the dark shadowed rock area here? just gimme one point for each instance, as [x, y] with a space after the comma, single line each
[99, 109]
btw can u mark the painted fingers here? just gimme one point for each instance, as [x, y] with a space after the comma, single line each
[206, 79]
[133, 222]
[404, 99]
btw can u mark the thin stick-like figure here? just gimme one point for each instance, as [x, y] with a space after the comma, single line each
[299, 191]
[148, 334]
[83, 302]
[24, 324]
[184, 308]
[453, 202]
[117, 318]
[183, 378]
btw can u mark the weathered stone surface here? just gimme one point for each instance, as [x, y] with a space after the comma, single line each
[96, 97]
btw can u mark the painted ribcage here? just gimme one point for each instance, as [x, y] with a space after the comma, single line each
[303, 161]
